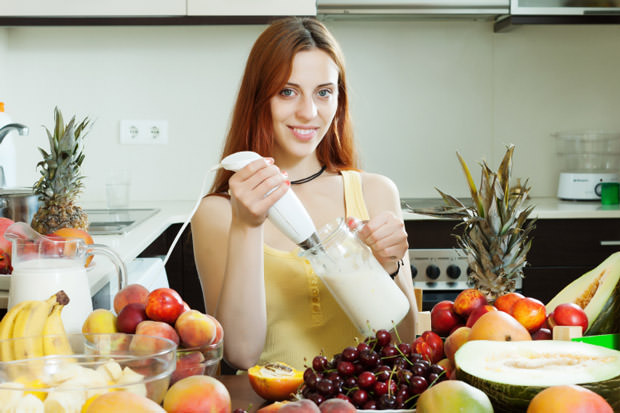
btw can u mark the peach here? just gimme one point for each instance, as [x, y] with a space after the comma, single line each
[133, 293]
[123, 401]
[189, 363]
[164, 304]
[468, 300]
[448, 366]
[443, 317]
[273, 407]
[300, 406]
[152, 328]
[100, 321]
[454, 341]
[337, 405]
[130, 316]
[530, 312]
[568, 399]
[197, 394]
[195, 329]
[219, 331]
[498, 326]
[477, 313]
[505, 302]
[71, 233]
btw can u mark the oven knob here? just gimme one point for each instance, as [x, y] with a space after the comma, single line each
[432, 272]
[453, 271]
[414, 271]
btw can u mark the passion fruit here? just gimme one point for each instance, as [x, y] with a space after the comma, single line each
[275, 381]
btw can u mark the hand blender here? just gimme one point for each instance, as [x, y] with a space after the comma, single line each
[288, 213]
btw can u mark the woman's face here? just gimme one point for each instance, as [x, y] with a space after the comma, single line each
[305, 107]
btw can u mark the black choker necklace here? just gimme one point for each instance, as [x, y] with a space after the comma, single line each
[309, 178]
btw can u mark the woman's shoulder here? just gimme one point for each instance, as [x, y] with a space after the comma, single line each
[213, 205]
[377, 184]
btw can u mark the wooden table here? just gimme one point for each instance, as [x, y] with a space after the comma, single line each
[241, 393]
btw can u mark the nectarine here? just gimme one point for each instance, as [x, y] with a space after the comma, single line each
[530, 312]
[505, 302]
[164, 304]
[195, 329]
[197, 394]
[152, 328]
[123, 401]
[133, 293]
[468, 300]
[568, 399]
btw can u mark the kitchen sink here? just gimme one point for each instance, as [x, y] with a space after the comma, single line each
[116, 221]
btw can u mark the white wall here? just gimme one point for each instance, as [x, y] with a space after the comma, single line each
[420, 91]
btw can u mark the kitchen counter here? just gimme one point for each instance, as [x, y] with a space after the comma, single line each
[544, 208]
[130, 244]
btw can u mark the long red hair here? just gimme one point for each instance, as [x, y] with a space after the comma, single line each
[267, 70]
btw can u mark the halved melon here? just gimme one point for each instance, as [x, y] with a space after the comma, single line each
[512, 373]
[598, 293]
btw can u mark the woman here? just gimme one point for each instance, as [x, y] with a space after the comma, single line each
[292, 109]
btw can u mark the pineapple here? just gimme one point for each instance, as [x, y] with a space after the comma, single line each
[496, 232]
[60, 181]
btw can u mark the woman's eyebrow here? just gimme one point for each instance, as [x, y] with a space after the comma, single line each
[321, 85]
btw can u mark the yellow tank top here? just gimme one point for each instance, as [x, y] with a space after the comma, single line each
[303, 318]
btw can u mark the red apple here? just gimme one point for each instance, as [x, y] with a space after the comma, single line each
[505, 302]
[570, 314]
[164, 304]
[530, 312]
[477, 313]
[130, 316]
[443, 318]
[5, 244]
[467, 301]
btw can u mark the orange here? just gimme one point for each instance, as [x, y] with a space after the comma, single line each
[275, 381]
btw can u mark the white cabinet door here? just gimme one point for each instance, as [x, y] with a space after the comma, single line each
[96, 8]
[251, 7]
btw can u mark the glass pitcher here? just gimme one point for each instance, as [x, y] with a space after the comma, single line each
[43, 265]
[360, 285]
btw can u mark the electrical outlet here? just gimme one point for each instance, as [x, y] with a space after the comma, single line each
[144, 132]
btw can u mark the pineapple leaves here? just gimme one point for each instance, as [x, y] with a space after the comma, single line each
[472, 186]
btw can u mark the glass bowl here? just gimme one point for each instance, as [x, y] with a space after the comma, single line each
[100, 363]
[198, 360]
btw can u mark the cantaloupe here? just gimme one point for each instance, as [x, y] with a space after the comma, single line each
[512, 373]
[598, 293]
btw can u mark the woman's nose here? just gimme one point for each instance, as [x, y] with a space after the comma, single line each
[307, 108]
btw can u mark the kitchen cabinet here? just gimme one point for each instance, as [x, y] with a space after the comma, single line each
[562, 249]
[251, 7]
[77, 8]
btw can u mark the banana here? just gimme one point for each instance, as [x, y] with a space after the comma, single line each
[29, 323]
[6, 330]
[55, 340]
[28, 404]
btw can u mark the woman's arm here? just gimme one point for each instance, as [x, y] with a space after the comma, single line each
[228, 249]
[385, 234]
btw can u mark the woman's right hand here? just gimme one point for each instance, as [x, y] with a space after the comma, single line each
[252, 190]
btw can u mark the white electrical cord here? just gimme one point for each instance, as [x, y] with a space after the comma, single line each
[203, 192]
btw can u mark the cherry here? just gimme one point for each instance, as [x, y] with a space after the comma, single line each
[366, 380]
[319, 363]
[405, 349]
[370, 359]
[317, 398]
[389, 351]
[346, 368]
[418, 384]
[344, 397]
[350, 354]
[380, 388]
[383, 373]
[363, 346]
[436, 368]
[360, 397]
[386, 402]
[404, 375]
[383, 337]
[370, 405]
[325, 387]
[308, 373]
[350, 382]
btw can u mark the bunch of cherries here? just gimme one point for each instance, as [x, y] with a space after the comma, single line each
[376, 375]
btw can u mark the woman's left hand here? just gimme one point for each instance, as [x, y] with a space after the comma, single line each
[386, 236]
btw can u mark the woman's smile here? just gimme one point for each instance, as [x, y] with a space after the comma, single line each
[304, 133]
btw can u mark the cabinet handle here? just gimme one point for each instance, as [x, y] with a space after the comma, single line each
[610, 243]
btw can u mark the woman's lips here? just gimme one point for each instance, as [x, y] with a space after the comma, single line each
[304, 134]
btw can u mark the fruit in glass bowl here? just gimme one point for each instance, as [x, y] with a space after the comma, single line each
[203, 360]
[98, 364]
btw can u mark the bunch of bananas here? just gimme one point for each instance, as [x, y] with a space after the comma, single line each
[38, 326]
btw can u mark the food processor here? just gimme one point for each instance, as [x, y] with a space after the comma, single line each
[587, 159]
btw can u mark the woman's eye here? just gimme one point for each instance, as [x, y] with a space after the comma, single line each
[287, 92]
[324, 93]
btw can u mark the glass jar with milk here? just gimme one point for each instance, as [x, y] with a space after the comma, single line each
[360, 285]
[44, 265]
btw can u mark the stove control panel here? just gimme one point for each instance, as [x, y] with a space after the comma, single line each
[440, 269]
